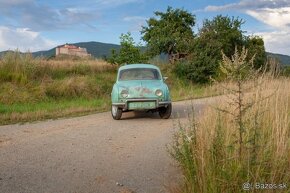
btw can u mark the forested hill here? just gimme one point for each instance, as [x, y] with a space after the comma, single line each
[96, 49]
[284, 59]
[101, 50]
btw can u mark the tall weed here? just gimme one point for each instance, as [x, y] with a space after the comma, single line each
[243, 143]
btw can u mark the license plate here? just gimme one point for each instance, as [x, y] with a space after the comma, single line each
[142, 105]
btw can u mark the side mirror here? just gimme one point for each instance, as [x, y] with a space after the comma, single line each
[165, 78]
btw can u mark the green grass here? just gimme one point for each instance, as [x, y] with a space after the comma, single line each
[23, 112]
[36, 89]
[51, 106]
[183, 89]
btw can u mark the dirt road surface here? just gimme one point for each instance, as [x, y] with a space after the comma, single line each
[91, 154]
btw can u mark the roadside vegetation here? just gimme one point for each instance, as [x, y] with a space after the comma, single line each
[242, 144]
[35, 88]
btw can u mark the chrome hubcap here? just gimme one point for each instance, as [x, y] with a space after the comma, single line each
[114, 110]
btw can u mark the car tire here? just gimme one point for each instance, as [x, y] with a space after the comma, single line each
[116, 112]
[165, 112]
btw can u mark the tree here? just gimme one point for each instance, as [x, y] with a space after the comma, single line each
[220, 34]
[129, 52]
[255, 45]
[171, 33]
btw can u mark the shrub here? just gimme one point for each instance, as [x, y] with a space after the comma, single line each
[129, 52]
[286, 71]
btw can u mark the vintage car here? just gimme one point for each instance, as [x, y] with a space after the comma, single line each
[140, 87]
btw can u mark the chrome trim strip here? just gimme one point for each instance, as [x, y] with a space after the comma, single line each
[124, 105]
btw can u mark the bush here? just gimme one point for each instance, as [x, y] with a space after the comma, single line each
[129, 52]
[196, 70]
[286, 71]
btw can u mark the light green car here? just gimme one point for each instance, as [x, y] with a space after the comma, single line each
[140, 87]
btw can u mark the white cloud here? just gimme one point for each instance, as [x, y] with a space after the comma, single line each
[276, 41]
[278, 17]
[23, 39]
[40, 17]
[274, 13]
[136, 22]
[135, 18]
[115, 2]
[250, 4]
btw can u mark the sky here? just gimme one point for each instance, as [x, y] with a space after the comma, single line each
[33, 25]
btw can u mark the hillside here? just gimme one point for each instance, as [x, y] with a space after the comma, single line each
[284, 59]
[101, 50]
[96, 49]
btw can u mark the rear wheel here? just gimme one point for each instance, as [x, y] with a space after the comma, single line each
[116, 112]
[165, 112]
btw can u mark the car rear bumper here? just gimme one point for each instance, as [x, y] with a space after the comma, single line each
[158, 104]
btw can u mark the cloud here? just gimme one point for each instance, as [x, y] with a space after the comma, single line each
[250, 4]
[278, 17]
[14, 2]
[23, 39]
[276, 41]
[40, 17]
[136, 22]
[134, 18]
[274, 13]
[115, 2]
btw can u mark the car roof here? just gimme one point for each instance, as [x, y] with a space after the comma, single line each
[129, 66]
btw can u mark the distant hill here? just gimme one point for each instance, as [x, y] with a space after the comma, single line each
[284, 59]
[101, 50]
[96, 49]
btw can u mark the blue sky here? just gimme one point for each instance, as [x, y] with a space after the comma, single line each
[43, 24]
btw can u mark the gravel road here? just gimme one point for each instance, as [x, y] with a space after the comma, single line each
[91, 154]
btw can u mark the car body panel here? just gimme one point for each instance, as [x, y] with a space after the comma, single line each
[141, 94]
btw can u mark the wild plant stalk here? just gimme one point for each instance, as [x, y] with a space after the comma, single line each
[244, 139]
[238, 70]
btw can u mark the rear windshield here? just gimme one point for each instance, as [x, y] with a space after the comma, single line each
[139, 74]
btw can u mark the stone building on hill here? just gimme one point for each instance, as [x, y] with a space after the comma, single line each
[71, 50]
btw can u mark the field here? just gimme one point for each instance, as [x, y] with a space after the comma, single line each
[35, 88]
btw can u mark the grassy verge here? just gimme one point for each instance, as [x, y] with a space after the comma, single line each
[182, 89]
[208, 151]
[243, 144]
[23, 112]
[36, 89]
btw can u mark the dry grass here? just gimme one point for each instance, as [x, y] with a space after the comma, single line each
[96, 65]
[29, 86]
[208, 150]
[17, 117]
[245, 138]
[35, 88]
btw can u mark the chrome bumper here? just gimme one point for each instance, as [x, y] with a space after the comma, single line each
[124, 105]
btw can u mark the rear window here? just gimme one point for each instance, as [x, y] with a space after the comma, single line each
[139, 74]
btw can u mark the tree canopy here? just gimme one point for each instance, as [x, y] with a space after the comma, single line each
[171, 33]
[129, 52]
[221, 34]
